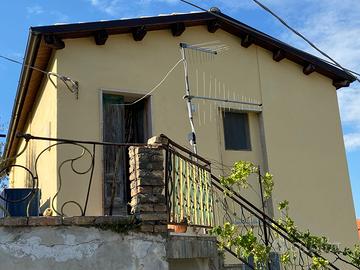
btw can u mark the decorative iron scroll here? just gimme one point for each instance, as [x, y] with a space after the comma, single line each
[197, 196]
[86, 153]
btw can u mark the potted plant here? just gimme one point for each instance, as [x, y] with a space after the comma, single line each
[180, 227]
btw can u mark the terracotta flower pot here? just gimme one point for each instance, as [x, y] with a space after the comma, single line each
[180, 228]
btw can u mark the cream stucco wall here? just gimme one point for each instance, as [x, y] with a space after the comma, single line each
[297, 136]
[124, 61]
[305, 148]
[41, 122]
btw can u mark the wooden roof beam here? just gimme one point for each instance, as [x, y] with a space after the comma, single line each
[341, 83]
[308, 69]
[139, 33]
[177, 29]
[101, 37]
[54, 42]
[246, 41]
[278, 55]
[213, 26]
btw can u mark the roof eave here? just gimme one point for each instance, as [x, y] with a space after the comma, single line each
[30, 56]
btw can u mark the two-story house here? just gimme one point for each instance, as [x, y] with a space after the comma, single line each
[291, 128]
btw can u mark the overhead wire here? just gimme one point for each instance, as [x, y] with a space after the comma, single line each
[65, 79]
[155, 87]
[304, 38]
[73, 88]
[334, 62]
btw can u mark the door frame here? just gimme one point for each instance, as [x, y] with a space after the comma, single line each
[129, 94]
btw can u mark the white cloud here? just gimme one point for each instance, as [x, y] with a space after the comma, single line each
[124, 8]
[352, 141]
[335, 28]
[60, 17]
[35, 10]
[349, 100]
[39, 10]
[110, 7]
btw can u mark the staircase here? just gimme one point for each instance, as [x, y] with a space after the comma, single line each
[194, 194]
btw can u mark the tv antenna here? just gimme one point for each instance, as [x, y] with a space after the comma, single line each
[204, 51]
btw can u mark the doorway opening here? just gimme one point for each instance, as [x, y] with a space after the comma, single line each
[121, 124]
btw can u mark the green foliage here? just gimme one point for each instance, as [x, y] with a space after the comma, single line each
[268, 184]
[283, 206]
[239, 177]
[119, 227]
[319, 263]
[353, 255]
[246, 244]
[287, 257]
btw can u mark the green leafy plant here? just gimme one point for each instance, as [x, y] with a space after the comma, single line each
[246, 244]
[239, 177]
[319, 263]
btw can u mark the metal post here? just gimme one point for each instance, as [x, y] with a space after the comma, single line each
[167, 170]
[264, 213]
[188, 99]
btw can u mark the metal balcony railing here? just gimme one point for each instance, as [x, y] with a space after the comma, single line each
[188, 184]
[193, 195]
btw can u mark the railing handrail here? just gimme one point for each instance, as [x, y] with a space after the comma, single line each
[270, 223]
[88, 149]
[187, 151]
[28, 136]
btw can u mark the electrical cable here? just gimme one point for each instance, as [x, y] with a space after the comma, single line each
[303, 37]
[23, 64]
[73, 88]
[334, 62]
[156, 86]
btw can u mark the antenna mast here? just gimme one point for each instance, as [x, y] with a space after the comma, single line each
[209, 49]
[192, 135]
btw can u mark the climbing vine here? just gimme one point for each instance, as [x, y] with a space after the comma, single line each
[247, 245]
[239, 177]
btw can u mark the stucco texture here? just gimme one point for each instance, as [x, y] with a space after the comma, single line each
[74, 248]
[297, 136]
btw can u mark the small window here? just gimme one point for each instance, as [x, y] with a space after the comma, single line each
[236, 131]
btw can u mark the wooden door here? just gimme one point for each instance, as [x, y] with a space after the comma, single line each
[121, 124]
[115, 169]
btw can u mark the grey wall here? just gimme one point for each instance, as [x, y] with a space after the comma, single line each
[73, 248]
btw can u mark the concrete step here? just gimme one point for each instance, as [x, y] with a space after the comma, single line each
[238, 266]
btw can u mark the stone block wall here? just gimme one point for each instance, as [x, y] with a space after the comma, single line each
[147, 185]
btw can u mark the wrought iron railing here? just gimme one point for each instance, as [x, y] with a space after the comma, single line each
[194, 195]
[86, 152]
[188, 185]
[188, 175]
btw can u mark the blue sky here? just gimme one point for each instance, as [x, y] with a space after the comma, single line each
[334, 25]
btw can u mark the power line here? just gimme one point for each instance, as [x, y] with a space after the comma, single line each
[303, 37]
[156, 86]
[23, 64]
[74, 84]
[71, 85]
[348, 71]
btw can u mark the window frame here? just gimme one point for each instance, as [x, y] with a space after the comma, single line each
[247, 130]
